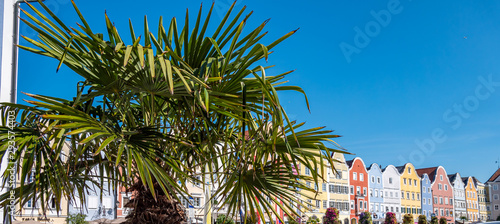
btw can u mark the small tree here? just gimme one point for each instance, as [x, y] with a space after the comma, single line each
[313, 220]
[223, 219]
[498, 218]
[443, 220]
[390, 218]
[434, 220]
[422, 219]
[331, 216]
[76, 218]
[408, 219]
[365, 218]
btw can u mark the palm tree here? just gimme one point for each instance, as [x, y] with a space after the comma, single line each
[157, 112]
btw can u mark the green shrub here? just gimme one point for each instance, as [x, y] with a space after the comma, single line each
[422, 219]
[408, 219]
[223, 219]
[443, 220]
[434, 220]
[76, 218]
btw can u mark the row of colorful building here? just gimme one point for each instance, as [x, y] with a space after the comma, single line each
[352, 187]
[356, 187]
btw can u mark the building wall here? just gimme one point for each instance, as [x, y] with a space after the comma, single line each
[376, 193]
[410, 188]
[494, 198]
[471, 200]
[358, 180]
[96, 206]
[481, 200]
[316, 200]
[392, 185]
[459, 197]
[338, 188]
[442, 194]
[426, 189]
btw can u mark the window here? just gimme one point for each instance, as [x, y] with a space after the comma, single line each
[352, 189]
[495, 196]
[364, 191]
[451, 201]
[412, 196]
[429, 190]
[197, 183]
[495, 187]
[390, 180]
[352, 204]
[315, 187]
[376, 193]
[381, 193]
[440, 187]
[423, 202]
[418, 196]
[496, 207]
[409, 182]
[318, 203]
[445, 200]
[308, 184]
[407, 195]
[107, 202]
[446, 187]
[325, 204]
[371, 192]
[373, 179]
[93, 202]
[440, 177]
[402, 194]
[423, 189]
[386, 194]
[324, 187]
[392, 194]
[404, 180]
[308, 171]
[358, 190]
[29, 204]
[429, 200]
[355, 176]
[378, 180]
[440, 200]
[361, 177]
[409, 169]
[361, 205]
[415, 182]
[435, 200]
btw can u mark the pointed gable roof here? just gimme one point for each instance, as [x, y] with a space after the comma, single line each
[431, 172]
[452, 177]
[401, 169]
[494, 176]
[349, 163]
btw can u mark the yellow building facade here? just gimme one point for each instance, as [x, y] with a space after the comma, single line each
[471, 200]
[315, 201]
[410, 191]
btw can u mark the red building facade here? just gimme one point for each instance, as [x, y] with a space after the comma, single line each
[358, 181]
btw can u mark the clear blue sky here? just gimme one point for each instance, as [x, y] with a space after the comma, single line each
[431, 70]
